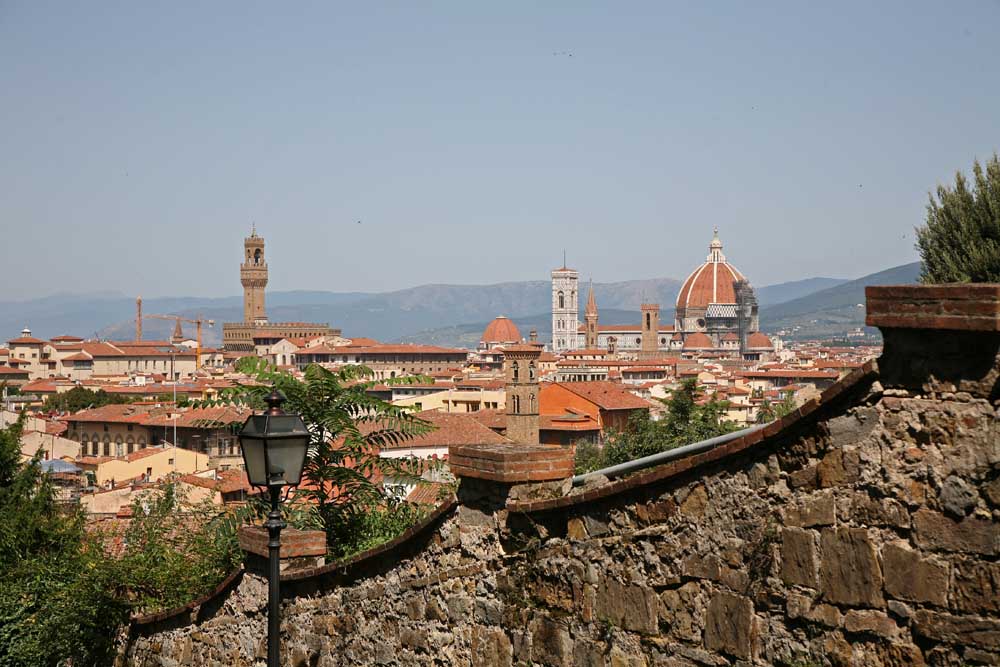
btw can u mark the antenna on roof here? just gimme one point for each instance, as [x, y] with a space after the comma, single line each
[564, 258]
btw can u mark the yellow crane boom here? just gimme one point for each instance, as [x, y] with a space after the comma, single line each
[195, 321]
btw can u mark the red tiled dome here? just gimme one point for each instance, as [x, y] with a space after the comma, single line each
[759, 341]
[501, 330]
[712, 282]
[698, 341]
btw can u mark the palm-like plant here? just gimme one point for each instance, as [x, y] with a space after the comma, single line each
[348, 428]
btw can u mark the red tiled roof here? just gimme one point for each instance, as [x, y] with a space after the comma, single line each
[698, 341]
[425, 494]
[25, 340]
[606, 395]
[452, 428]
[6, 370]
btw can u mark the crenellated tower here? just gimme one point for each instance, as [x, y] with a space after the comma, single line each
[253, 277]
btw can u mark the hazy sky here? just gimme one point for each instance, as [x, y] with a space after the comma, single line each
[474, 141]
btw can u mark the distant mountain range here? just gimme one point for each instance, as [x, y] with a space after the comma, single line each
[441, 314]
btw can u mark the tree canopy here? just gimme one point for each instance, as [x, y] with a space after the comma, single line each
[81, 398]
[687, 419]
[960, 241]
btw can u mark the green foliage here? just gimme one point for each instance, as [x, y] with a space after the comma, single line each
[685, 422]
[376, 525]
[960, 241]
[81, 398]
[348, 426]
[768, 412]
[57, 601]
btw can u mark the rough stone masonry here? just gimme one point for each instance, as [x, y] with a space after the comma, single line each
[864, 529]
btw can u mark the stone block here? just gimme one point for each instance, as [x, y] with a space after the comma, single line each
[696, 502]
[798, 558]
[682, 609]
[958, 630]
[839, 468]
[872, 511]
[992, 492]
[729, 625]
[970, 535]
[908, 576]
[871, 622]
[550, 643]
[490, 646]
[850, 573]
[957, 497]
[825, 614]
[976, 587]
[630, 606]
[816, 510]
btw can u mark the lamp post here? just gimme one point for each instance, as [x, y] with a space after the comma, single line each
[274, 446]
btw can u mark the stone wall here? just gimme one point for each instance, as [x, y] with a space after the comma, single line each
[864, 529]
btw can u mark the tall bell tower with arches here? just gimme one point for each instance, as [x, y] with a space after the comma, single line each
[565, 309]
[253, 277]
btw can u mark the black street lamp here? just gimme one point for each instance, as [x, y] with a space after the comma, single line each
[274, 448]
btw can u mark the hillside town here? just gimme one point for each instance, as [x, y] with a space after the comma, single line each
[170, 419]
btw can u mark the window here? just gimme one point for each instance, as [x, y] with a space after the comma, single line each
[517, 371]
[129, 427]
[170, 462]
[649, 321]
[562, 300]
[149, 473]
[105, 428]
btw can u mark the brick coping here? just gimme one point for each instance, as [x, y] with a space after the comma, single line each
[233, 578]
[950, 307]
[756, 439]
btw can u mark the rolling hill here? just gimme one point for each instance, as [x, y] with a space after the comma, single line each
[833, 310]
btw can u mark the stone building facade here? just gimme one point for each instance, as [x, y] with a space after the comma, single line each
[862, 529]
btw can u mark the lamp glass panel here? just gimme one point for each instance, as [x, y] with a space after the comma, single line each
[286, 455]
[254, 457]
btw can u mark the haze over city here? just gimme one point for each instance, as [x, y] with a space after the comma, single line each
[379, 148]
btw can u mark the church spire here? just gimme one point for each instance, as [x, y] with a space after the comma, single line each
[591, 301]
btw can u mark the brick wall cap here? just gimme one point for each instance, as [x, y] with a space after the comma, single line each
[949, 307]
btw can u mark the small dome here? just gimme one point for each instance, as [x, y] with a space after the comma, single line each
[501, 330]
[698, 341]
[759, 341]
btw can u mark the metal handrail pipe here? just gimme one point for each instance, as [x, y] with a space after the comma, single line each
[665, 457]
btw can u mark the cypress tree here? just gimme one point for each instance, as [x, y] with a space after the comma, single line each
[960, 242]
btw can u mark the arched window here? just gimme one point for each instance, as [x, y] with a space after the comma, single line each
[130, 442]
[531, 371]
[516, 371]
[256, 256]
[562, 300]
[531, 404]
[107, 445]
[649, 321]
[517, 404]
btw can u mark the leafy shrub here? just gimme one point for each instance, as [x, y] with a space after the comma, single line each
[960, 241]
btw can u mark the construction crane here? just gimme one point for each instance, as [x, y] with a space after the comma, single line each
[178, 332]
